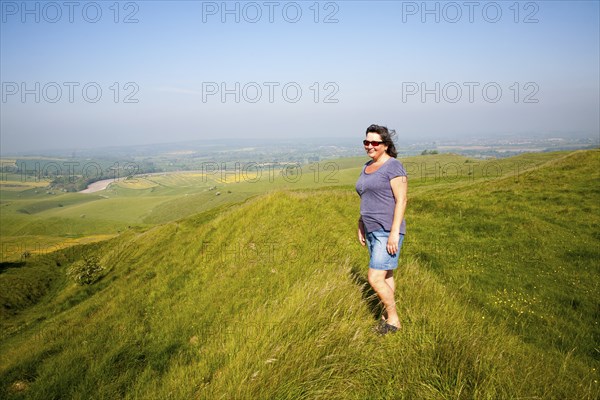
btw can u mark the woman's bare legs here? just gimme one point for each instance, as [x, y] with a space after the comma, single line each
[389, 279]
[383, 283]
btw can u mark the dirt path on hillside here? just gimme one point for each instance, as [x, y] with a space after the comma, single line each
[97, 186]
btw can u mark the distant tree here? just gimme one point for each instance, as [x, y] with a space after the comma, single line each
[426, 152]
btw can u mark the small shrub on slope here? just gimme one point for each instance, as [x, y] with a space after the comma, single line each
[86, 271]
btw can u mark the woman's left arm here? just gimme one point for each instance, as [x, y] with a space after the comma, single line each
[399, 186]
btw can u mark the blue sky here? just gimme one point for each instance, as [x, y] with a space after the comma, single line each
[369, 64]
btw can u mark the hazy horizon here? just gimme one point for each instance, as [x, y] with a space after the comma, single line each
[240, 142]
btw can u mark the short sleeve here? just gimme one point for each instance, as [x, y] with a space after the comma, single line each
[396, 169]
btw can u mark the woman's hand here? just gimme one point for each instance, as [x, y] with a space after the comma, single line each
[392, 244]
[361, 233]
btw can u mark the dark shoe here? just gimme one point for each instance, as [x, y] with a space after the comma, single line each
[384, 328]
[390, 328]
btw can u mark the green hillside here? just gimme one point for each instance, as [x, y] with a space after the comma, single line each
[267, 299]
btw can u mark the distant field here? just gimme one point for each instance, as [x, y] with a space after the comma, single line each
[16, 182]
[136, 183]
[19, 186]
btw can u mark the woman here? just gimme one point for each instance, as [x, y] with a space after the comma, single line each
[382, 187]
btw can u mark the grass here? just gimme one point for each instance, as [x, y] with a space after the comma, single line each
[528, 250]
[497, 292]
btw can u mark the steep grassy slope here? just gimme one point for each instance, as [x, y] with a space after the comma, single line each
[526, 248]
[497, 292]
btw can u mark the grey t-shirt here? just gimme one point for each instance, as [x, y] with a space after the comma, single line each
[377, 200]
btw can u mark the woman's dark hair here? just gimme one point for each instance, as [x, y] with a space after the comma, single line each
[387, 137]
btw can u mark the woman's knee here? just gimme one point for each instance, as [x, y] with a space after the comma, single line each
[376, 277]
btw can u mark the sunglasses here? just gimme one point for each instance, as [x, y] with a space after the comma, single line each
[373, 143]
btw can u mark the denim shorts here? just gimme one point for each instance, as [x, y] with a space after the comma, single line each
[377, 245]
